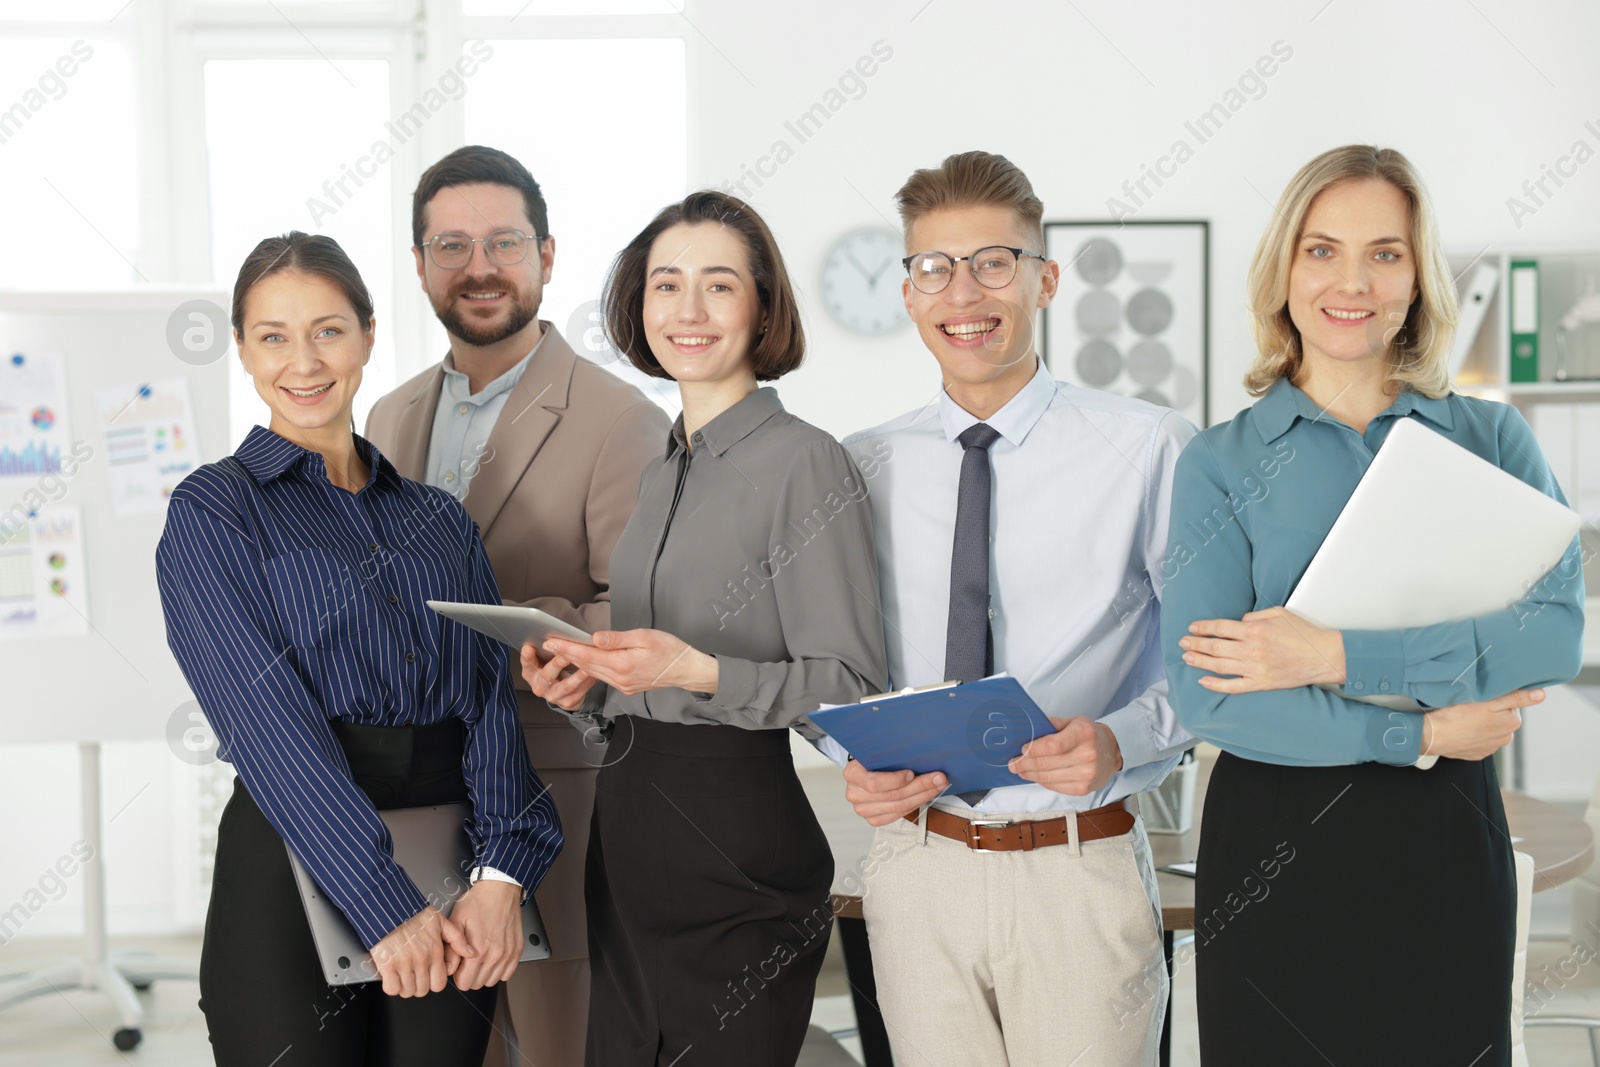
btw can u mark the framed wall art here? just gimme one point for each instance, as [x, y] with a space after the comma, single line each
[1132, 313]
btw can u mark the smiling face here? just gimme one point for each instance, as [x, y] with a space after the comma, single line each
[484, 303]
[982, 338]
[304, 350]
[702, 312]
[1353, 275]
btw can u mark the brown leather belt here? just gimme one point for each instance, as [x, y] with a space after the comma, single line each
[1112, 820]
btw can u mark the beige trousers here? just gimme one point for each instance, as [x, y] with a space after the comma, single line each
[1049, 958]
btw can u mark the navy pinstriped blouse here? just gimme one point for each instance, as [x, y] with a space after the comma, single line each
[290, 602]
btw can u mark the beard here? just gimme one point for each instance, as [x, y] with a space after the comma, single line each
[459, 322]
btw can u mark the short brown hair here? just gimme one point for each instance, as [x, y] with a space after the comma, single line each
[780, 349]
[969, 178]
[476, 164]
[1419, 355]
[307, 253]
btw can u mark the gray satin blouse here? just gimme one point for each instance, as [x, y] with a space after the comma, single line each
[755, 545]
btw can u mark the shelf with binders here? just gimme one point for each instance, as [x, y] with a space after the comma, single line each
[1529, 325]
[1554, 300]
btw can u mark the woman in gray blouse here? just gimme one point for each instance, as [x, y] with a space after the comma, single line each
[744, 594]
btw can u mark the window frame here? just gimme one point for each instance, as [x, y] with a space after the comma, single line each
[176, 38]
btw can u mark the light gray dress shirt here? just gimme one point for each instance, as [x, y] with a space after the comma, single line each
[461, 424]
[1078, 519]
[754, 545]
[462, 421]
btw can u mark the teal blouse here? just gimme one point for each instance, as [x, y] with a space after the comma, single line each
[1253, 500]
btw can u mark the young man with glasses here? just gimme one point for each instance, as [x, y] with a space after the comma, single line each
[545, 451]
[1020, 526]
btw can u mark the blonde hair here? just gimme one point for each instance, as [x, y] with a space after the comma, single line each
[969, 178]
[1419, 356]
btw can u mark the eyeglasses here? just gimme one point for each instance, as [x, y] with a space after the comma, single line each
[505, 248]
[993, 267]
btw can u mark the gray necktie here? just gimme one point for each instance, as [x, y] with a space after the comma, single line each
[969, 643]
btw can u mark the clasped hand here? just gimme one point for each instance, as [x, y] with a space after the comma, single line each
[1270, 649]
[630, 661]
[479, 944]
[1277, 649]
[1078, 759]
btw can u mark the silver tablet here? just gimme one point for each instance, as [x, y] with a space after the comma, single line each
[511, 625]
[432, 847]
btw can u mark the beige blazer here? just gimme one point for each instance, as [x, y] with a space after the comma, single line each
[556, 485]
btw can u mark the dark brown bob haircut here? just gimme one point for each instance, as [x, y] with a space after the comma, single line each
[780, 349]
[308, 253]
[475, 164]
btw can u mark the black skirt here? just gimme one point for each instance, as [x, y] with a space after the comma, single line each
[1354, 915]
[707, 891]
[261, 986]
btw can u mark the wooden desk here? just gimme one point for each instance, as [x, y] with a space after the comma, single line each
[1560, 843]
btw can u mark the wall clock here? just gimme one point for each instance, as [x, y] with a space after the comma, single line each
[861, 277]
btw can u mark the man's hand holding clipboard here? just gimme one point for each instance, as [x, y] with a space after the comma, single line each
[909, 748]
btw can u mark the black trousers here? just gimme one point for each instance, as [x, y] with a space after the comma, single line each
[1360, 915]
[261, 987]
[707, 890]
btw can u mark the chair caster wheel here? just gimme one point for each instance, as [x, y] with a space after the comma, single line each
[126, 1038]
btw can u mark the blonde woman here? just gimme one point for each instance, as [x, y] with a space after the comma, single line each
[1351, 907]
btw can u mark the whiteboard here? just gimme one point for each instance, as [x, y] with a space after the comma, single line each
[119, 681]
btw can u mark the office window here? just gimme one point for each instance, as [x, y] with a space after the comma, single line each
[88, 11]
[608, 148]
[69, 150]
[287, 144]
[536, 8]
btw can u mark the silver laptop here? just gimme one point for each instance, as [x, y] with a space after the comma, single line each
[432, 847]
[1432, 533]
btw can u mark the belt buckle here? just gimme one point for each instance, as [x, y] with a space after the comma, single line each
[972, 833]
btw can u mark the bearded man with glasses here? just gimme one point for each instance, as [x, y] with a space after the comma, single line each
[545, 450]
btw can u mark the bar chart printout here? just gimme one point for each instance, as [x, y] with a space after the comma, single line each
[34, 431]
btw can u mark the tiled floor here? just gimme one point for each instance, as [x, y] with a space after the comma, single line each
[73, 1029]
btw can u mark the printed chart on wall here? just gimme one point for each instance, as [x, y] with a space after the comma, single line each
[150, 442]
[43, 587]
[33, 416]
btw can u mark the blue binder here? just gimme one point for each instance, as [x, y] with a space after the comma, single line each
[970, 732]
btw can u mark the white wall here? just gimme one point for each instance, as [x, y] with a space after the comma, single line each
[1084, 96]
[1085, 101]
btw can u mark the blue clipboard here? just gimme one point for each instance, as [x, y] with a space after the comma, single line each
[970, 732]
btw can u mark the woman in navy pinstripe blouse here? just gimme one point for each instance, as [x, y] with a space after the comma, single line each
[292, 577]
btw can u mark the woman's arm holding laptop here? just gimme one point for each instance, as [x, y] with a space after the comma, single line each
[1536, 641]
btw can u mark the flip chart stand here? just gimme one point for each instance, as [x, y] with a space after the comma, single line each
[117, 974]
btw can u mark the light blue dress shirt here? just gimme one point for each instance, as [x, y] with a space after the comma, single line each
[1078, 513]
[462, 422]
[1255, 498]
